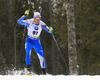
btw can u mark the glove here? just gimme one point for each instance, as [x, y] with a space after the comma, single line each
[50, 29]
[26, 12]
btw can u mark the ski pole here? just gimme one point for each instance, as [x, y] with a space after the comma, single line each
[23, 37]
[21, 51]
[59, 50]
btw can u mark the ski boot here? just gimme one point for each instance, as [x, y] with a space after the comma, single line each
[28, 71]
[43, 71]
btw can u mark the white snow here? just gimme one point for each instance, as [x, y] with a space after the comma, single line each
[49, 77]
[15, 75]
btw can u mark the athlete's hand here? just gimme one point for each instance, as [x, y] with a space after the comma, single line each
[26, 12]
[50, 29]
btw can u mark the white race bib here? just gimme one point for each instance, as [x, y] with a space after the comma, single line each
[34, 30]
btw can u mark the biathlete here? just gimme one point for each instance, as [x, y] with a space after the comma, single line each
[34, 28]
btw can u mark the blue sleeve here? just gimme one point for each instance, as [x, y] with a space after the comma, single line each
[21, 22]
[46, 29]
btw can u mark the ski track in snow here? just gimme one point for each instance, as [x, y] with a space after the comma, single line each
[49, 77]
[16, 76]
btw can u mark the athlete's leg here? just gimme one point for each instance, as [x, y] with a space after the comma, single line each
[39, 51]
[28, 48]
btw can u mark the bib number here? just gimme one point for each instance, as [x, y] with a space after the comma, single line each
[35, 32]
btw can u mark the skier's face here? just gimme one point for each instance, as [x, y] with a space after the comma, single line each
[36, 21]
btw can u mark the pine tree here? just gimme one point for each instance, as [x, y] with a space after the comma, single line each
[87, 22]
[3, 65]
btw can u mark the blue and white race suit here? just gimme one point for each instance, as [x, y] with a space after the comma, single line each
[32, 40]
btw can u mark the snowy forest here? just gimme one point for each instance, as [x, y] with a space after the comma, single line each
[85, 49]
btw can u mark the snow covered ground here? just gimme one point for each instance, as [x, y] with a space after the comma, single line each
[48, 77]
[16, 76]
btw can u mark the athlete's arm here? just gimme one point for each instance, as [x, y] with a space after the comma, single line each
[46, 28]
[23, 22]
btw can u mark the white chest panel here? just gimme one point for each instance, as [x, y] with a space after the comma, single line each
[34, 30]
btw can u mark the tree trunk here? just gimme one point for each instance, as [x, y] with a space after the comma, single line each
[53, 58]
[52, 43]
[45, 54]
[0, 40]
[9, 27]
[71, 38]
